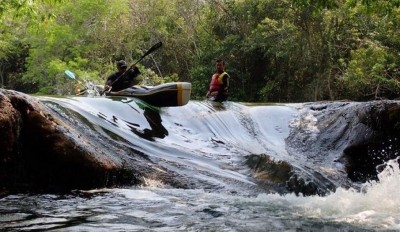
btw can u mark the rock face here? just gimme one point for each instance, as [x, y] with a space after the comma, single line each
[353, 138]
[380, 142]
[39, 152]
[366, 133]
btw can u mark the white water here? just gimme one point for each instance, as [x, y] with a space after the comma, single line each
[208, 145]
[377, 207]
[159, 209]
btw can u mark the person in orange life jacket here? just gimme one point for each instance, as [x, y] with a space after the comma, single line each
[123, 78]
[218, 90]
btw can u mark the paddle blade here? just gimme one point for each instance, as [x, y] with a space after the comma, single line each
[152, 49]
[70, 74]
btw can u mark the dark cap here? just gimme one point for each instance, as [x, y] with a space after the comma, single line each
[121, 64]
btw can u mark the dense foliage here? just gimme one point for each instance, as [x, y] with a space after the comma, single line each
[282, 51]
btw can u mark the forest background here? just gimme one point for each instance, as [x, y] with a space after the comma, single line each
[276, 50]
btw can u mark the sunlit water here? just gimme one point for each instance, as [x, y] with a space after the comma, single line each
[208, 144]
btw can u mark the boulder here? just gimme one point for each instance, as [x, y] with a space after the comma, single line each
[39, 152]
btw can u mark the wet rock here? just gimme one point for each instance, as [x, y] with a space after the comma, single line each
[281, 177]
[307, 185]
[10, 122]
[40, 152]
[345, 142]
[272, 175]
[382, 121]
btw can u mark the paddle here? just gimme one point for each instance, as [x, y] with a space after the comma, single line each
[152, 49]
[70, 74]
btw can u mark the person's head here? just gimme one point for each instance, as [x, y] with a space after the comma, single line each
[220, 65]
[121, 65]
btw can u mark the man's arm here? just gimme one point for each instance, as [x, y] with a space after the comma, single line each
[225, 84]
[134, 71]
[110, 79]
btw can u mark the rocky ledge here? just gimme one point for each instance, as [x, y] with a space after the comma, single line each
[41, 153]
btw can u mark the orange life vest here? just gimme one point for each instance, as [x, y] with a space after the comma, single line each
[216, 82]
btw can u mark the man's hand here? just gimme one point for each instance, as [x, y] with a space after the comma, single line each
[211, 94]
[107, 88]
[215, 93]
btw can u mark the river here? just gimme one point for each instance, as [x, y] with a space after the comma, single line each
[212, 146]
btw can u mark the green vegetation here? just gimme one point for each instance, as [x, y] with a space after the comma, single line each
[276, 51]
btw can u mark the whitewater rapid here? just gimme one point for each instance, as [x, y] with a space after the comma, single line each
[155, 208]
[211, 145]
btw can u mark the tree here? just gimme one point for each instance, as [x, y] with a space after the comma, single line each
[284, 51]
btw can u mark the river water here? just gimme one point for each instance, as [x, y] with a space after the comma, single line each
[208, 144]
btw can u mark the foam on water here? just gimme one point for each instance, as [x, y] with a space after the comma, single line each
[376, 206]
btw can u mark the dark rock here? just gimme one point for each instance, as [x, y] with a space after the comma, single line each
[10, 123]
[353, 138]
[40, 152]
[272, 175]
[382, 120]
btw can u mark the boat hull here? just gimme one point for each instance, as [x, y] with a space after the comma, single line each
[165, 95]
